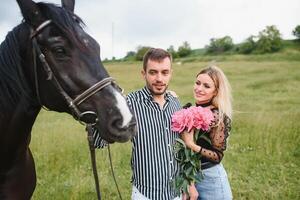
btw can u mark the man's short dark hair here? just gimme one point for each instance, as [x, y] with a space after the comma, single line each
[155, 54]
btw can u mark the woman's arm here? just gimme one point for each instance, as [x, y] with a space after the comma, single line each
[218, 136]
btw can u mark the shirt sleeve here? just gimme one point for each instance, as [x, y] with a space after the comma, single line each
[98, 141]
[218, 137]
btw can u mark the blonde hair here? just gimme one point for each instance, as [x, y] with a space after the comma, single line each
[223, 99]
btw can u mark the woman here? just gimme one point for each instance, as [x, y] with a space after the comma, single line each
[212, 90]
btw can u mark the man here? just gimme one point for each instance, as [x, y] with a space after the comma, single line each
[153, 164]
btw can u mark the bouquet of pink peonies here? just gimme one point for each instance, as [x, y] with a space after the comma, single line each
[186, 120]
[192, 117]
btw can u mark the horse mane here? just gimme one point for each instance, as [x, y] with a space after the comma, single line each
[13, 84]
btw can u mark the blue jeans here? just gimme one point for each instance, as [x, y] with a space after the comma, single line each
[215, 184]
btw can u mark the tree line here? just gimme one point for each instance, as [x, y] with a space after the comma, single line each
[268, 40]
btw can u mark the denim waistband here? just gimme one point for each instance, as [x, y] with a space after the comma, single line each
[207, 165]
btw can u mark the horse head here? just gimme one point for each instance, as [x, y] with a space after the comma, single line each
[66, 72]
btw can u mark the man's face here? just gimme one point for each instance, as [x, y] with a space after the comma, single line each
[158, 75]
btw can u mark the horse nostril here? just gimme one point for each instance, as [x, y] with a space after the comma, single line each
[116, 122]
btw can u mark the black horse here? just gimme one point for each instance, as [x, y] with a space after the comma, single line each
[48, 60]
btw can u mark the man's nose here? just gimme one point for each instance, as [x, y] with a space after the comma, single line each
[159, 77]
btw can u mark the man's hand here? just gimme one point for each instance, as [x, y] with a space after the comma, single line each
[193, 193]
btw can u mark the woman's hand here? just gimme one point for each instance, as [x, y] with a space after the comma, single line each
[193, 193]
[188, 138]
[173, 93]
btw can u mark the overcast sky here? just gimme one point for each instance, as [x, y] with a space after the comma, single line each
[122, 25]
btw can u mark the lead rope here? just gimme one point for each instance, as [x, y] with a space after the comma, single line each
[93, 159]
[94, 166]
[113, 173]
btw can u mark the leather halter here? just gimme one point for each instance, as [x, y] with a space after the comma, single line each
[72, 103]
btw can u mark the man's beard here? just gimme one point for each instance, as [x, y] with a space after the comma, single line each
[156, 93]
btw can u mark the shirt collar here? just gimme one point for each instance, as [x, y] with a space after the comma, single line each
[148, 95]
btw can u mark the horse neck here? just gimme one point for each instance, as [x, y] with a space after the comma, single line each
[16, 124]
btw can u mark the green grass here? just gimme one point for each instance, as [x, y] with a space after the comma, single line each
[262, 160]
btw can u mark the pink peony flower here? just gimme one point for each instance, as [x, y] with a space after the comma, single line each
[192, 117]
[179, 120]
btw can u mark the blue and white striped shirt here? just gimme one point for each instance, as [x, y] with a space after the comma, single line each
[153, 164]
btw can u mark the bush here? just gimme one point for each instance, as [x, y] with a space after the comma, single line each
[184, 49]
[172, 51]
[141, 50]
[248, 46]
[296, 32]
[219, 45]
[130, 55]
[269, 40]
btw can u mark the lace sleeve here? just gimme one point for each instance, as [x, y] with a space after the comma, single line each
[218, 137]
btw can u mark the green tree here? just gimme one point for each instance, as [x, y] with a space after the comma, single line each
[248, 46]
[296, 32]
[269, 40]
[141, 50]
[220, 45]
[130, 55]
[172, 51]
[184, 49]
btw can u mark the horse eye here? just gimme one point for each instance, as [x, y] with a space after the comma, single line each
[59, 51]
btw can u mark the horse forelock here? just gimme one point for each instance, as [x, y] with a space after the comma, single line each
[65, 20]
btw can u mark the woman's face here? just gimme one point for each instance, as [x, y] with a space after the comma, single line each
[204, 89]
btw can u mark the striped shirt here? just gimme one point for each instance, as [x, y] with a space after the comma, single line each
[153, 164]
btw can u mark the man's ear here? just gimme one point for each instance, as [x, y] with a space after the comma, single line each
[143, 73]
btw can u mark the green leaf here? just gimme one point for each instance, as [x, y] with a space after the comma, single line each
[189, 164]
[188, 171]
[181, 142]
[187, 155]
[193, 163]
[185, 186]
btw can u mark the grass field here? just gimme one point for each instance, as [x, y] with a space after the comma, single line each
[262, 160]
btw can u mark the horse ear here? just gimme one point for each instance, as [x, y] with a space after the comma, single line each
[30, 12]
[68, 4]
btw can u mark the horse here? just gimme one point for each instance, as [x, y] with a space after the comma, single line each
[48, 60]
